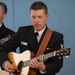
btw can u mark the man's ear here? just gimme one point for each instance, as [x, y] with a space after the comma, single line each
[47, 17]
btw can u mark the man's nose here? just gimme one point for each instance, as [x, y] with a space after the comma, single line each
[36, 20]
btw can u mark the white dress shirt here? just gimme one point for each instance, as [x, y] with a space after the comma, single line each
[40, 33]
[0, 25]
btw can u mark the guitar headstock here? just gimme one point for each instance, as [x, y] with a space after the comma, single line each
[63, 52]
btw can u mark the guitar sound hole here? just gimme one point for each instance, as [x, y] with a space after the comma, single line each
[20, 65]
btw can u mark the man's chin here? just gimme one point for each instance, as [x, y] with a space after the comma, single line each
[38, 29]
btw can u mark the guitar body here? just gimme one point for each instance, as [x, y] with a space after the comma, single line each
[15, 58]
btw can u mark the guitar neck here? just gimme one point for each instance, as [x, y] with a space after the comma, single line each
[40, 58]
[25, 63]
[49, 55]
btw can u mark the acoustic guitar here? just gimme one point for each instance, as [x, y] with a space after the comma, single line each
[20, 61]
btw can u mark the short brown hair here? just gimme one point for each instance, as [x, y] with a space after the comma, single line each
[39, 5]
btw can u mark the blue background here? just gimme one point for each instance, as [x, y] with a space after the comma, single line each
[61, 19]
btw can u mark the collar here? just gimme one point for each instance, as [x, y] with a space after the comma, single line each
[0, 25]
[41, 31]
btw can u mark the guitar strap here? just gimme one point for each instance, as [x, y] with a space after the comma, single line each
[44, 42]
[42, 48]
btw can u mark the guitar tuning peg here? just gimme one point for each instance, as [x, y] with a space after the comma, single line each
[59, 57]
[67, 56]
[61, 46]
[63, 57]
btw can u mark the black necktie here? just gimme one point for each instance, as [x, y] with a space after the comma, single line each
[36, 34]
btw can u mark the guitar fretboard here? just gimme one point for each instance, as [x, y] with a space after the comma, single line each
[40, 58]
[46, 56]
[26, 63]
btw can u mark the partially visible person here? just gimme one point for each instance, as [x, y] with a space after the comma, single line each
[5, 33]
[26, 40]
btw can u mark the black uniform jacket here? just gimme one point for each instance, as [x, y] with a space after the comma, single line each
[24, 38]
[5, 33]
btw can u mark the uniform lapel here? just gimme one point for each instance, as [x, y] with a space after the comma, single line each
[31, 38]
[2, 30]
